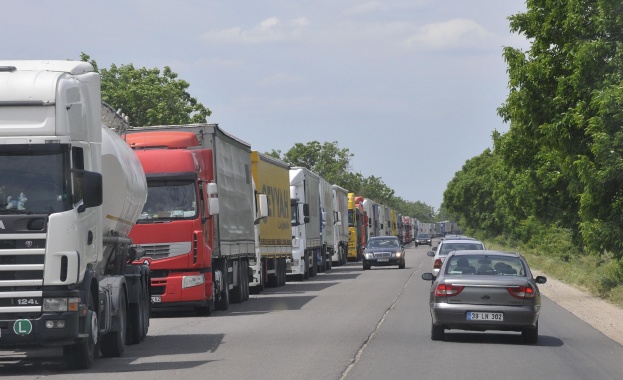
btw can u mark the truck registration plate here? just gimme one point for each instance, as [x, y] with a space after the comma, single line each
[478, 316]
[156, 299]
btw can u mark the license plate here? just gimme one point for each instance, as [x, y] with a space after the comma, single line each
[382, 260]
[156, 299]
[479, 316]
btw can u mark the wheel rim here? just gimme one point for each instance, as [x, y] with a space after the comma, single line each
[94, 327]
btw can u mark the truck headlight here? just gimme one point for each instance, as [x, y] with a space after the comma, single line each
[190, 281]
[61, 304]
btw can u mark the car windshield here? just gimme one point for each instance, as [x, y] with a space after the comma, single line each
[422, 236]
[466, 246]
[486, 265]
[383, 243]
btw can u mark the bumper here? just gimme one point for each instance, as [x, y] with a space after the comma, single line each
[39, 335]
[170, 293]
[516, 318]
[377, 263]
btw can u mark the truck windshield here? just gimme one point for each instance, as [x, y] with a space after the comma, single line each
[32, 179]
[170, 200]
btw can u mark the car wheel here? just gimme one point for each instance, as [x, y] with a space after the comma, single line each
[366, 266]
[437, 332]
[401, 265]
[529, 335]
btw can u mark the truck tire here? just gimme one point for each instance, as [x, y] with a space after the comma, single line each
[136, 321]
[245, 276]
[113, 342]
[313, 271]
[80, 355]
[223, 299]
[139, 314]
[306, 266]
[147, 306]
[237, 293]
[283, 271]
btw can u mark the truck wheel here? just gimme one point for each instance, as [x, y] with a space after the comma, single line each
[283, 272]
[135, 328]
[306, 266]
[139, 317]
[329, 262]
[223, 301]
[147, 305]
[80, 355]
[245, 276]
[113, 342]
[237, 295]
[313, 271]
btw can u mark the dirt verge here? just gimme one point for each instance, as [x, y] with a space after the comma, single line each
[583, 305]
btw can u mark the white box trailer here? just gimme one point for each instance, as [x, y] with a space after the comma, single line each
[327, 231]
[306, 220]
[340, 206]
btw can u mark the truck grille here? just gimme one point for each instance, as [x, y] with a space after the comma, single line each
[164, 250]
[22, 258]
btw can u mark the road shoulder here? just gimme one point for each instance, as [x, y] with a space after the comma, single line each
[600, 314]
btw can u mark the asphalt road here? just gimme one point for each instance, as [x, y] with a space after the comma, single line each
[342, 324]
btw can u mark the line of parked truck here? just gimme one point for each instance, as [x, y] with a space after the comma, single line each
[97, 228]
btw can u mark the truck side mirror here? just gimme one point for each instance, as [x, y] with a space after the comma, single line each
[213, 204]
[306, 210]
[262, 206]
[92, 189]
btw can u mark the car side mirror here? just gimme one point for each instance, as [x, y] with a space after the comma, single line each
[540, 279]
[430, 253]
[428, 276]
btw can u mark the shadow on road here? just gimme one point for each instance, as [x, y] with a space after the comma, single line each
[499, 338]
[49, 361]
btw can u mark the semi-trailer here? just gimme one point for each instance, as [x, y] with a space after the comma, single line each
[340, 205]
[306, 221]
[70, 192]
[197, 226]
[273, 232]
[327, 227]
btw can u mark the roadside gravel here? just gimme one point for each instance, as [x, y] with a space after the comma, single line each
[583, 305]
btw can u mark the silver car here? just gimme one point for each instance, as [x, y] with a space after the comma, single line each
[485, 290]
[452, 244]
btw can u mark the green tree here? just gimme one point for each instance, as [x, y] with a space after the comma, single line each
[333, 164]
[149, 96]
[565, 119]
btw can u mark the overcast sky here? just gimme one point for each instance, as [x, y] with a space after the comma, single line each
[411, 88]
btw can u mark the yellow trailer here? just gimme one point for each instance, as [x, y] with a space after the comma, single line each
[273, 234]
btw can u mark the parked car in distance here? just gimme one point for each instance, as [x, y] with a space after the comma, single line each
[383, 251]
[448, 245]
[485, 290]
[422, 239]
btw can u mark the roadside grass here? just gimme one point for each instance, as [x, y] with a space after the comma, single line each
[601, 276]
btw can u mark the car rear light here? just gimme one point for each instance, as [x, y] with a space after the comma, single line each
[437, 264]
[448, 290]
[522, 292]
